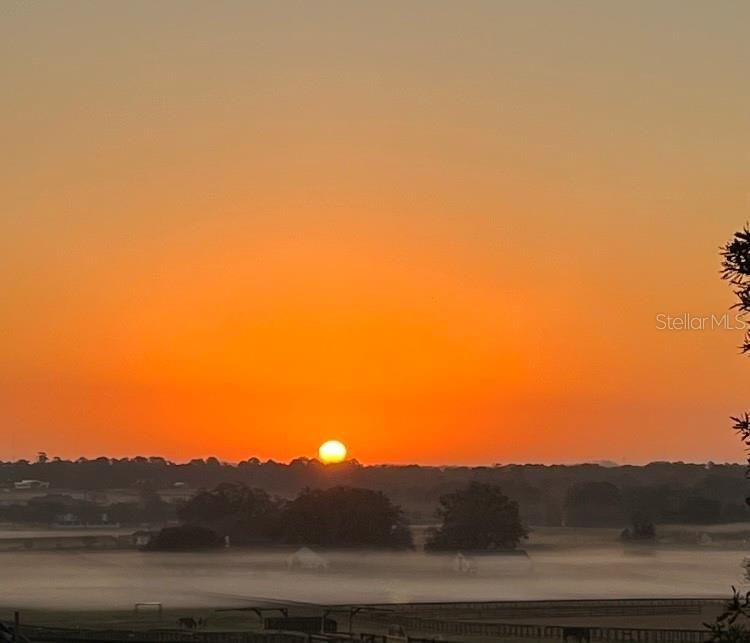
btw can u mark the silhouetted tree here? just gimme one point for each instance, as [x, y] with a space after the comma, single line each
[344, 517]
[247, 516]
[736, 270]
[641, 529]
[731, 625]
[478, 517]
[185, 537]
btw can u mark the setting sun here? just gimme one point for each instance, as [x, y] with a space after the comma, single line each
[332, 451]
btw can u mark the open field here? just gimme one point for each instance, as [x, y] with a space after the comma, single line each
[102, 580]
[97, 589]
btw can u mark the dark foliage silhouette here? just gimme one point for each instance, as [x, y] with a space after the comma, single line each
[344, 517]
[736, 270]
[477, 518]
[246, 516]
[185, 538]
[731, 625]
[53, 508]
[641, 529]
[660, 489]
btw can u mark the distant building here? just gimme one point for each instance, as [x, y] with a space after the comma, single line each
[464, 564]
[48, 543]
[142, 538]
[31, 484]
[306, 558]
[68, 519]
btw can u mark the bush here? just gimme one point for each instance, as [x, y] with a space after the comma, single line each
[641, 529]
[184, 538]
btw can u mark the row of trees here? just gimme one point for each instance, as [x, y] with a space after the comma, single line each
[591, 504]
[478, 517]
[54, 508]
[332, 517]
[603, 504]
[547, 495]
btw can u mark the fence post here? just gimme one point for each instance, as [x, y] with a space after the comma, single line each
[16, 626]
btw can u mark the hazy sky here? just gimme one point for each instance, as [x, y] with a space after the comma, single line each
[438, 231]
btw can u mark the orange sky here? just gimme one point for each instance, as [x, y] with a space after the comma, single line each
[440, 232]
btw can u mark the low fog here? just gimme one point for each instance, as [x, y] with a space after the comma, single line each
[117, 579]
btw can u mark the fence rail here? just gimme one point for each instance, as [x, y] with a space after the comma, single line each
[628, 603]
[554, 632]
[428, 622]
[468, 620]
[39, 633]
[424, 626]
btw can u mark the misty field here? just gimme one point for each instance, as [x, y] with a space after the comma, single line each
[561, 564]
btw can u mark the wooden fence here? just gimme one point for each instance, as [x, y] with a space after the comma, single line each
[38, 633]
[551, 632]
[572, 607]
[473, 619]
[430, 621]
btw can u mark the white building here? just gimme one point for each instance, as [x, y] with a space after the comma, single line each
[31, 484]
[306, 558]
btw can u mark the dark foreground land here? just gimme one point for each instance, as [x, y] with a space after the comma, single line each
[646, 620]
[609, 590]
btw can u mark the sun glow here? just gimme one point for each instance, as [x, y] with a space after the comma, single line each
[332, 451]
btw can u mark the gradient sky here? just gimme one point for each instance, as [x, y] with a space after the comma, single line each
[438, 231]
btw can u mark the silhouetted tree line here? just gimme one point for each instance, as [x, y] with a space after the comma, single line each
[477, 518]
[580, 495]
[335, 517]
[54, 508]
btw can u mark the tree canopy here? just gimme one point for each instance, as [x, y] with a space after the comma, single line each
[245, 515]
[659, 489]
[334, 517]
[477, 517]
[344, 517]
[736, 270]
[185, 538]
[732, 624]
